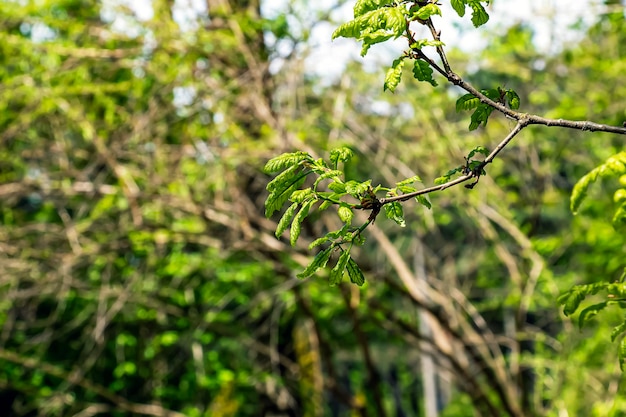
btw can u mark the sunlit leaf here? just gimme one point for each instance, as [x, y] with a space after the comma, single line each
[589, 312]
[467, 102]
[423, 201]
[301, 195]
[618, 330]
[420, 43]
[297, 222]
[393, 76]
[345, 213]
[363, 6]
[284, 222]
[394, 212]
[285, 160]
[279, 196]
[410, 180]
[342, 154]
[428, 11]
[615, 166]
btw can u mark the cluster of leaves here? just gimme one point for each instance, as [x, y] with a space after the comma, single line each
[286, 186]
[613, 167]
[482, 111]
[572, 299]
[377, 21]
[471, 165]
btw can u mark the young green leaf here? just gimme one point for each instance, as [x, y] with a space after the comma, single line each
[285, 160]
[382, 25]
[571, 300]
[459, 7]
[427, 11]
[355, 273]
[393, 76]
[480, 116]
[588, 312]
[467, 102]
[325, 204]
[512, 99]
[301, 195]
[320, 261]
[345, 213]
[342, 154]
[447, 176]
[410, 180]
[423, 72]
[294, 233]
[336, 274]
[363, 6]
[478, 149]
[279, 196]
[374, 26]
[333, 173]
[394, 212]
[350, 29]
[618, 330]
[420, 43]
[615, 166]
[619, 218]
[357, 189]
[479, 14]
[405, 189]
[283, 224]
[423, 201]
[283, 179]
[338, 187]
[318, 241]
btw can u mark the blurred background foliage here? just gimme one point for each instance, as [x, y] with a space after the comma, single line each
[138, 275]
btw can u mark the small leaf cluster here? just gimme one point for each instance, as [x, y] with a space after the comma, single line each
[394, 210]
[374, 21]
[482, 111]
[615, 295]
[614, 167]
[290, 185]
[471, 165]
[479, 14]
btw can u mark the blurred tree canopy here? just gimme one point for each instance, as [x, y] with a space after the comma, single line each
[139, 275]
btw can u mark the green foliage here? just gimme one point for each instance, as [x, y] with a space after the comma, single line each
[336, 274]
[394, 74]
[614, 167]
[138, 272]
[320, 261]
[423, 72]
[394, 212]
[355, 273]
[374, 25]
[483, 110]
[615, 294]
[479, 14]
[425, 12]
